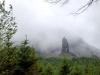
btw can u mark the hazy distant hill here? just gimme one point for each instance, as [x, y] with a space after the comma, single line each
[81, 49]
[77, 48]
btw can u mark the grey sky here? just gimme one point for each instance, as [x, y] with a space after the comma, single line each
[48, 23]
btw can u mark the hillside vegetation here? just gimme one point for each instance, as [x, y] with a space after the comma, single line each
[23, 60]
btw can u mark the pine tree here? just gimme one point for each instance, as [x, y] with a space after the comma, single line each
[65, 68]
[26, 60]
[7, 29]
[8, 25]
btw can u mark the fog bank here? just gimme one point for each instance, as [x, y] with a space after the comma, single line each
[46, 24]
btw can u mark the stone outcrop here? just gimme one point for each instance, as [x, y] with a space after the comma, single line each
[65, 46]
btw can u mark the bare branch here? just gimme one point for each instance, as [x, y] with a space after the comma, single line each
[80, 10]
[84, 7]
[54, 1]
[57, 1]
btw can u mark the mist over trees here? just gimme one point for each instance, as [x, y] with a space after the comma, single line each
[25, 60]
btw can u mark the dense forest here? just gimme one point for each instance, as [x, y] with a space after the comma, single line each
[24, 60]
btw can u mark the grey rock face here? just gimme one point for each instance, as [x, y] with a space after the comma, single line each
[78, 48]
[65, 46]
[73, 48]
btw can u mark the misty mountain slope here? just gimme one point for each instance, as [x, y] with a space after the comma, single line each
[81, 49]
[77, 48]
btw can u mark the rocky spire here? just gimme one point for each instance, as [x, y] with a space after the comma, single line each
[65, 46]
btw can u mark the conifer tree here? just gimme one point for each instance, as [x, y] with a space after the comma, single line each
[26, 60]
[65, 68]
[7, 29]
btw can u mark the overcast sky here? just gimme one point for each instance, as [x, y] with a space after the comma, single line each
[48, 23]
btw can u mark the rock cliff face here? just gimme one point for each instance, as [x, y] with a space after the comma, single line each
[65, 46]
[78, 48]
[65, 51]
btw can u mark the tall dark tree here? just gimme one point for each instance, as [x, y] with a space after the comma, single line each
[26, 60]
[8, 25]
[7, 29]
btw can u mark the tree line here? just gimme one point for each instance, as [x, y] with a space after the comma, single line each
[23, 60]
